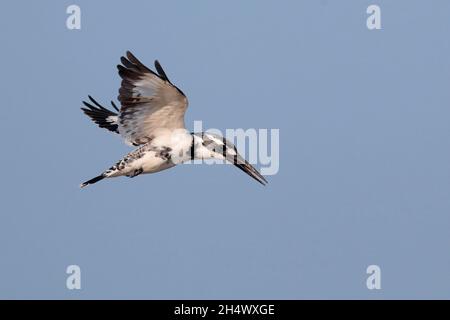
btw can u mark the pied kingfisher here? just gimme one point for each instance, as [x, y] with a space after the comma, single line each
[152, 117]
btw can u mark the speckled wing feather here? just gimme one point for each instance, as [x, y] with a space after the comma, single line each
[149, 101]
[103, 117]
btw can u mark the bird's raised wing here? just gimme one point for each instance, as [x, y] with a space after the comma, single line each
[149, 101]
[100, 115]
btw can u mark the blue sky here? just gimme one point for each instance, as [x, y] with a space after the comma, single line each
[364, 151]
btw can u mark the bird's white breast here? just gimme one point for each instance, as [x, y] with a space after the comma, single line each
[151, 162]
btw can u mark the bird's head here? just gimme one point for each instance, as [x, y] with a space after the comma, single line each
[212, 146]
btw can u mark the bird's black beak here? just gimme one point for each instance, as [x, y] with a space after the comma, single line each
[251, 171]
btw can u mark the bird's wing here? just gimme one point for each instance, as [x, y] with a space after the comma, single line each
[149, 101]
[100, 115]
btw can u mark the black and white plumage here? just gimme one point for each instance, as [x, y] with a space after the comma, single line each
[102, 116]
[151, 117]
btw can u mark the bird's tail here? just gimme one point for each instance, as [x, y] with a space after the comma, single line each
[93, 180]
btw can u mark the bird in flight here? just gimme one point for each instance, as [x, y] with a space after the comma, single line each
[151, 117]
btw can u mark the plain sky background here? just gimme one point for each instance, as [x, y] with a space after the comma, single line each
[364, 119]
